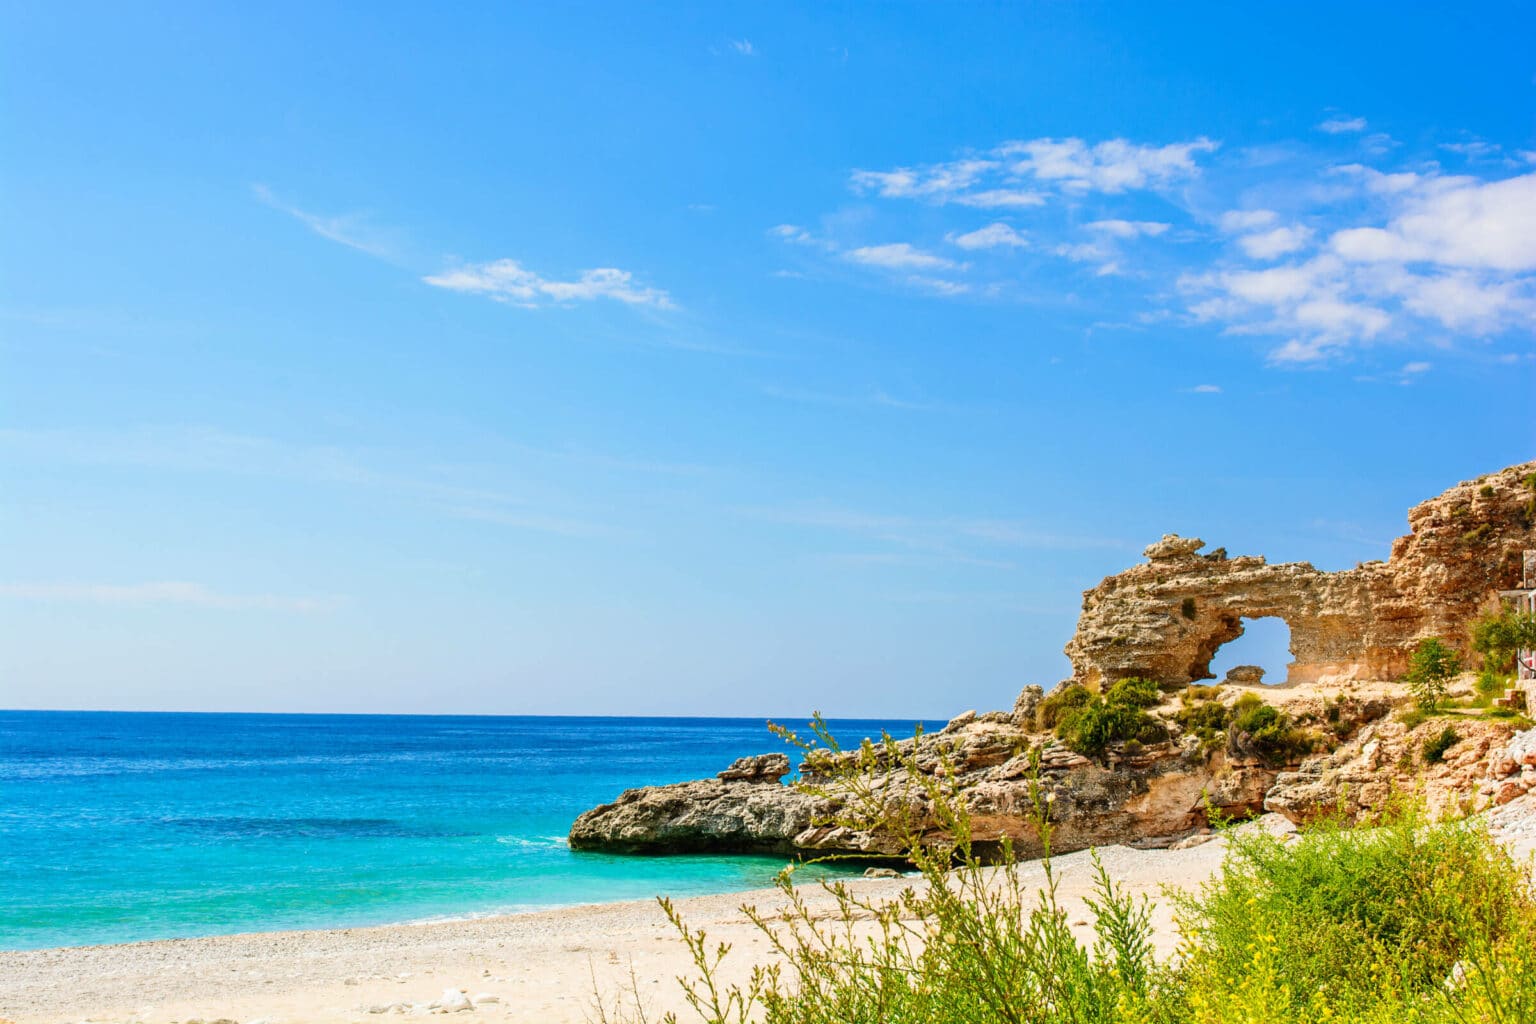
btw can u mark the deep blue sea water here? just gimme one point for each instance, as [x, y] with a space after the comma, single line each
[116, 827]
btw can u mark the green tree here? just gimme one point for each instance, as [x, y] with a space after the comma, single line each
[1497, 637]
[1431, 668]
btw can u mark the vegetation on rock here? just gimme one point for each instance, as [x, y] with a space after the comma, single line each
[1431, 668]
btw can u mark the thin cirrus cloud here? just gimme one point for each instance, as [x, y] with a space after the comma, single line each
[999, 178]
[508, 281]
[503, 280]
[352, 230]
[168, 592]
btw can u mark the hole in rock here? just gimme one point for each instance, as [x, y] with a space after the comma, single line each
[1266, 642]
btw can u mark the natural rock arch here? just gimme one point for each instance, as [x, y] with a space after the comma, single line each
[1166, 618]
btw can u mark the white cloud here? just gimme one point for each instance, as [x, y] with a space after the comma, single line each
[1343, 125]
[938, 285]
[1115, 165]
[899, 256]
[992, 236]
[744, 47]
[792, 233]
[937, 181]
[991, 181]
[168, 592]
[1448, 251]
[1234, 221]
[1268, 245]
[1456, 222]
[1416, 368]
[1205, 389]
[1129, 228]
[508, 281]
[1001, 198]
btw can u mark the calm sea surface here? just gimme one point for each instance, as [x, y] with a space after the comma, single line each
[116, 827]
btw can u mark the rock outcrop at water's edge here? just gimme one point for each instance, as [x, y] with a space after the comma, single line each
[742, 810]
[1163, 620]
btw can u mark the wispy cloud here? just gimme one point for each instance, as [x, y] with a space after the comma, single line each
[993, 179]
[1204, 389]
[1343, 125]
[171, 592]
[877, 398]
[1129, 228]
[351, 230]
[744, 47]
[899, 256]
[509, 281]
[452, 491]
[996, 235]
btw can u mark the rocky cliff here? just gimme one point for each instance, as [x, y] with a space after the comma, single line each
[1330, 739]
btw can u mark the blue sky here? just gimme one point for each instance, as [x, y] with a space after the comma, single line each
[710, 360]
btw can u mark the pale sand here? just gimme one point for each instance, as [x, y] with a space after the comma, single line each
[540, 965]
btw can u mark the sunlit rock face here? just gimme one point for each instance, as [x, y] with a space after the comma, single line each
[1165, 618]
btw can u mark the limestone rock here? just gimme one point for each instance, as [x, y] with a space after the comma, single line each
[766, 768]
[1024, 708]
[1165, 618]
[1173, 547]
[1244, 675]
[744, 814]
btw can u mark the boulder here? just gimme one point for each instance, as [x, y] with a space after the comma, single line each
[766, 768]
[1244, 675]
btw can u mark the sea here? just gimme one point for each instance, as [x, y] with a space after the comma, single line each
[121, 827]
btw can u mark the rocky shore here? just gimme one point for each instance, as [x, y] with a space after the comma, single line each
[1329, 738]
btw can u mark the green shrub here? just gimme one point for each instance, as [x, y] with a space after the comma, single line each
[1091, 725]
[1362, 925]
[1141, 693]
[1196, 692]
[1263, 729]
[1063, 698]
[1207, 719]
[1435, 746]
[1431, 668]
[1413, 717]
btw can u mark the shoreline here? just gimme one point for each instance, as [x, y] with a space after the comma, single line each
[540, 965]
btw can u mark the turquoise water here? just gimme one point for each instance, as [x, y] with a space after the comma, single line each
[116, 827]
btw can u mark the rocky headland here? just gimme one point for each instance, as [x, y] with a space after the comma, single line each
[1329, 738]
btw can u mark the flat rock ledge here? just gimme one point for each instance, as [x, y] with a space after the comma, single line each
[744, 809]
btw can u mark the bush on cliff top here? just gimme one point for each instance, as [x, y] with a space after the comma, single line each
[1092, 723]
[1409, 922]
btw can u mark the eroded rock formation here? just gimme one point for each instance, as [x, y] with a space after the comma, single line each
[1161, 791]
[1166, 618]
